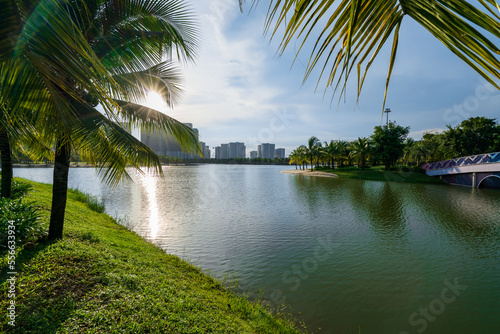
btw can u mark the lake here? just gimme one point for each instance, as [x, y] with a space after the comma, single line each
[346, 256]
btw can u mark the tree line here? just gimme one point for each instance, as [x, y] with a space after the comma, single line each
[390, 146]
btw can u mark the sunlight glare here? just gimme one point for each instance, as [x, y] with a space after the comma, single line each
[154, 216]
[155, 101]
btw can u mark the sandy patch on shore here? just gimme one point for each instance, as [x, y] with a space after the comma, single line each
[308, 172]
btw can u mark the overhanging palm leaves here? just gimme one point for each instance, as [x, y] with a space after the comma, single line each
[69, 56]
[349, 34]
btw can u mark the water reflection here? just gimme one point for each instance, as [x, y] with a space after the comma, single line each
[391, 245]
[149, 183]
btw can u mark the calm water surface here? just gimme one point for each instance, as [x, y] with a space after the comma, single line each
[345, 255]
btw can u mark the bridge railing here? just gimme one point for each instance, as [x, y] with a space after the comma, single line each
[464, 161]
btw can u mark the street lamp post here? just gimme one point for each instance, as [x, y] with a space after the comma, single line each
[387, 111]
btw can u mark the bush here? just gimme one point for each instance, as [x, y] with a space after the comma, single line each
[92, 202]
[19, 189]
[21, 219]
[79, 195]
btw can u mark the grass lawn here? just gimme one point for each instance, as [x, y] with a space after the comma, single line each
[102, 278]
[377, 174]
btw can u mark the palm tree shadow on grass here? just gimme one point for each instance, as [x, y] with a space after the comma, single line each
[46, 297]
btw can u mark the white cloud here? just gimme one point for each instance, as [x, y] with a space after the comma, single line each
[228, 80]
[237, 85]
[417, 135]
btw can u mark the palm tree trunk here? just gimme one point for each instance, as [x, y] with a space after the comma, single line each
[6, 152]
[59, 189]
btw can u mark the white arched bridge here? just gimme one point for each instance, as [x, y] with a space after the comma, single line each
[482, 170]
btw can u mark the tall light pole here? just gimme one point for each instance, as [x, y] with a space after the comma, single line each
[387, 111]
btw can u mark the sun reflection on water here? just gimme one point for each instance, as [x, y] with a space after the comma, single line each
[150, 185]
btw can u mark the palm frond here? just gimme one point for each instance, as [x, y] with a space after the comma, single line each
[349, 34]
[49, 57]
[10, 27]
[163, 79]
[117, 148]
[150, 120]
[123, 31]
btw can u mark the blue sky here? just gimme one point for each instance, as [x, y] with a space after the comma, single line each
[239, 90]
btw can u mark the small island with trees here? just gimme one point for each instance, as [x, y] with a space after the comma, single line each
[390, 155]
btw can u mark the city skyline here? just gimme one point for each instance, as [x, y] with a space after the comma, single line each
[238, 88]
[235, 150]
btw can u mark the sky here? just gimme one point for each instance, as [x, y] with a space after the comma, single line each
[239, 90]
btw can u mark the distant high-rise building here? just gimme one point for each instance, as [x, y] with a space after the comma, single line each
[267, 151]
[224, 151]
[259, 151]
[237, 150]
[205, 150]
[218, 152]
[230, 151]
[165, 144]
[254, 154]
[279, 153]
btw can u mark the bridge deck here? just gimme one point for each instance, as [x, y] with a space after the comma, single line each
[465, 170]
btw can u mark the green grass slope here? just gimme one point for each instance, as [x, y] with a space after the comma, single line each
[102, 278]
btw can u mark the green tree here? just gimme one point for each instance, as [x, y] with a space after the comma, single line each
[312, 149]
[332, 150]
[298, 156]
[409, 144]
[389, 142]
[6, 156]
[349, 34]
[419, 153]
[473, 136]
[361, 149]
[435, 144]
[82, 54]
[343, 148]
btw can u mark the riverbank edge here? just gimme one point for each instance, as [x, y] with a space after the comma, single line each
[371, 175]
[308, 172]
[102, 277]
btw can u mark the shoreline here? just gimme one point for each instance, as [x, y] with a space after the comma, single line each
[371, 174]
[308, 172]
[103, 270]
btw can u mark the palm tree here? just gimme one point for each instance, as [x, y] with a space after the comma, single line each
[419, 152]
[323, 156]
[294, 158]
[6, 155]
[312, 149]
[302, 151]
[350, 34]
[343, 148]
[298, 156]
[361, 148]
[20, 132]
[407, 150]
[319, 153]
[106, 52]
[333, 150]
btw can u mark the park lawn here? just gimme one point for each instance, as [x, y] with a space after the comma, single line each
[103, 278]
[378, 174]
